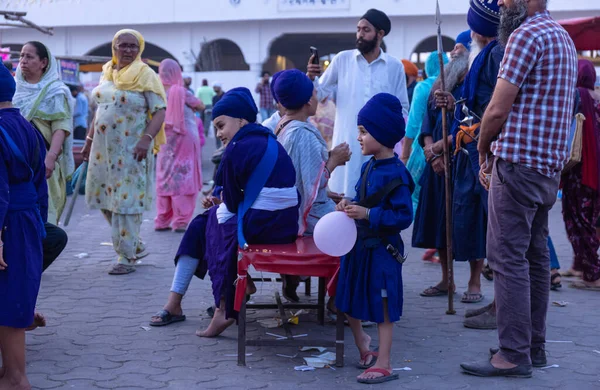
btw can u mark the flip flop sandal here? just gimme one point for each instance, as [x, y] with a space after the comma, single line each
[555, 285]
[121, 269]
[165, 229]
[433, 291]
[386, 376]
[166, 318]
[471, 297]
[374, 354]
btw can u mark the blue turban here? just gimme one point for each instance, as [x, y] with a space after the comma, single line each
[273, 80]
[464, 38]
[236, 103]
[484, 17]
[382, 117]
[7, 85]
[293, 89]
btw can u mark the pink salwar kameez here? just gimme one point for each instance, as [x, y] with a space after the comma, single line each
[179, 164]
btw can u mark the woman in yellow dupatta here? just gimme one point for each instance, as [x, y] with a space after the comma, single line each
[127, 124]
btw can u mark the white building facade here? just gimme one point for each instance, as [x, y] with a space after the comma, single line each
[232, 41]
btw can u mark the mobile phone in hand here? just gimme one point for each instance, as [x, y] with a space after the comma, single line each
[314, 52]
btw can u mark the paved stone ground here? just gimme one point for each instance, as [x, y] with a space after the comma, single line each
[95, 340]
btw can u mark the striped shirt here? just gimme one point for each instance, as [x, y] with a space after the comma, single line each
[540, 59]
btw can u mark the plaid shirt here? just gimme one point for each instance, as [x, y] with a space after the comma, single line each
[541, 60]
[266, 97]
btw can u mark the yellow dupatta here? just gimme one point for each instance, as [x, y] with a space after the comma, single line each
[136, 77]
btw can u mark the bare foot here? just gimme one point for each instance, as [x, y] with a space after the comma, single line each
[11, 383]
[592, 284]
[39, 321]
[364, 346]
[217, 325]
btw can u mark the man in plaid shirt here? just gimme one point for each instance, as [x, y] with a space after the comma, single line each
[530, 113]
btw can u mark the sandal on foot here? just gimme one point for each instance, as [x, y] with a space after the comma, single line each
[434, 291]
[471, 297]
[373, 354]
[488, 273]
[555, 285]
[121, 269]
[386, 376]
[571, 274]
[166, 318]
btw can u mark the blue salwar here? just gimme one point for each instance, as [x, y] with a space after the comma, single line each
[23, 211]
[369, 270]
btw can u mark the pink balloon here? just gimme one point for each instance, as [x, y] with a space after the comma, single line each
[335, 234]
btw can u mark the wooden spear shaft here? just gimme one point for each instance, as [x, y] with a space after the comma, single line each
[447, 173]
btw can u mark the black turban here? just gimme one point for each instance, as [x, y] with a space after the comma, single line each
[379, 20]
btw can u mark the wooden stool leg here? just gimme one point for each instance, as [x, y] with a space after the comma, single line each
[339, 339]
[242, 335]
[307, 286]
[321, 302]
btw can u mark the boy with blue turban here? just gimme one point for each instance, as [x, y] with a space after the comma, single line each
[253, 163]
[370, 278]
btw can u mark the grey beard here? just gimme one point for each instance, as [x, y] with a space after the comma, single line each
[454, 72]
[510, 20]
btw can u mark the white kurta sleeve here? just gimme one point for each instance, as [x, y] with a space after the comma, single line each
[401, 92]
[326, 85]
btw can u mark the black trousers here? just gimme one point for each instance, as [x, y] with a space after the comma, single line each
[54, 243]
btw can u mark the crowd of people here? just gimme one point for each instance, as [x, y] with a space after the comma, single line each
[364, 137]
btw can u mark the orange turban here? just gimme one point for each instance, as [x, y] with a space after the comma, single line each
[410, 69]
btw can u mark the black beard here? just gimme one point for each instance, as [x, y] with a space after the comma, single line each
[510, 20]
[366, 47]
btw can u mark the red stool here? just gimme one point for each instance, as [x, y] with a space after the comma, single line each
[301, 258]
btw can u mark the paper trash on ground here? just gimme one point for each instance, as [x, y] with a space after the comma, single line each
[316, 362]
[328, 357]
[82, 255]
[306, 349]
[552, 366]
[560, 303]
[402, 369]
[269, 323]
[146, 328]
[304, 368]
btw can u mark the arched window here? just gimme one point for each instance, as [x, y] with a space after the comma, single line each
[221, 55]
[293, 50]
[427, 45]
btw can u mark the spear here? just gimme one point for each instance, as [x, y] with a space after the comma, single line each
[447, 171]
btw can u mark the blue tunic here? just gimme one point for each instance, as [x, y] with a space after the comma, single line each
[429, 230]
[469, 211]
[369, 268]
[23, 209]
[215, 244]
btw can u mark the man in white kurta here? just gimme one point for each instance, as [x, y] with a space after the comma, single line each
[352, 78]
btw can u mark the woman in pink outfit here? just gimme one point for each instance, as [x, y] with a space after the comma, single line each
[179, 166]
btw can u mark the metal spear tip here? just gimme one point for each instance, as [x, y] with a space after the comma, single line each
[438, 14]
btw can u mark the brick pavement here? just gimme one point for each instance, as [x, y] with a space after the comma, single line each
[95, 340]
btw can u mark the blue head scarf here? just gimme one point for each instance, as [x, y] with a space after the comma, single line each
[236, 103]
[7, 85]
[382, 117]
[484, 17]
[273, 80]
[464, 38]
[293, 89]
